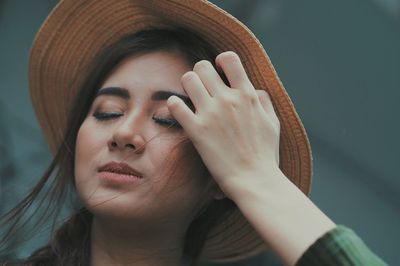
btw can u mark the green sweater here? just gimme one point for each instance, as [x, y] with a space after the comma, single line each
[340, 246]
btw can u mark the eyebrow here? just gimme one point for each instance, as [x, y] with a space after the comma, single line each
[161, 95]
[114, 91]
[164, 95]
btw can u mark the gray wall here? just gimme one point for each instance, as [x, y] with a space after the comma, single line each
[339, 61]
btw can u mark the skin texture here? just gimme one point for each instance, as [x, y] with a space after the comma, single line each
[235, 132]
[155, 211]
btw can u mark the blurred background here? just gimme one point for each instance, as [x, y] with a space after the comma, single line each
[340, 63]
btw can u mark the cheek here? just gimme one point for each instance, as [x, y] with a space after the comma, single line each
[183, 173]
[82, 139]
[87, 146]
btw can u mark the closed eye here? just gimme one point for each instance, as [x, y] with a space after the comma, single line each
[106, 115]
[168, 122]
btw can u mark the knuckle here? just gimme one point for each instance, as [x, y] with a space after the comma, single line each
[202, 126]
[262, 93]
[264, 97]
[261, 96]
[250, 97]
[267, 96]
[209, 115]
[197, 123]
[230, 101]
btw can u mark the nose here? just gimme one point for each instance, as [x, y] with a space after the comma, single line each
[128, 136]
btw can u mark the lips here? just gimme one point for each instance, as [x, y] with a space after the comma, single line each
[120, 168]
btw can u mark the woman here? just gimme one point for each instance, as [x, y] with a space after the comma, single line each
[174, 151]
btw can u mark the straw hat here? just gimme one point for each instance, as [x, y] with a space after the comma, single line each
[77, 30]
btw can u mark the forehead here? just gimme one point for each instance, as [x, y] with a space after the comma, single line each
[150, 71]
[149, 77]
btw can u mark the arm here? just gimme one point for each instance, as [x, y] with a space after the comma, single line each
[236, 132]
[284, 217]
[340, 246]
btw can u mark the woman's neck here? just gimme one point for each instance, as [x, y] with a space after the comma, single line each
[120, 244]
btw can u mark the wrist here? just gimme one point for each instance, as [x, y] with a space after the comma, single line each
[282, 214]
[246, 185]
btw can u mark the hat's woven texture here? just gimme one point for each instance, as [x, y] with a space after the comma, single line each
[77, 30]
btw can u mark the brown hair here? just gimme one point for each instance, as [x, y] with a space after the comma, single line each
[70, 244]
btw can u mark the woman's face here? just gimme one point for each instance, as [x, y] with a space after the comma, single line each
[127, 130]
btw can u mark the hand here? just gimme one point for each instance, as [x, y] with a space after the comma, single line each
[234, 129]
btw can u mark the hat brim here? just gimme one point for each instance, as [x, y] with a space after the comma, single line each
[77, 30]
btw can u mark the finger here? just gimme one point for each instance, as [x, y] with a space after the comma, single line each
[266, 103]
[209, 77]
[182, 113]
[265, 100]
[195, 89]
[234, 70]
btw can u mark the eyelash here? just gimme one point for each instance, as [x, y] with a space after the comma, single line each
[104, 116]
